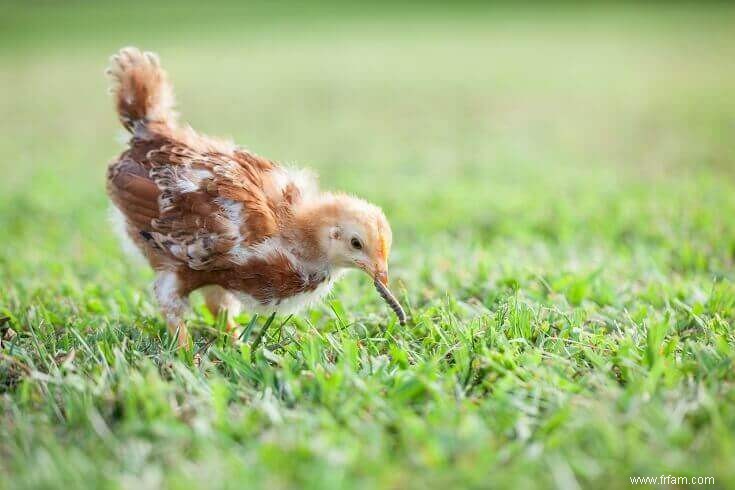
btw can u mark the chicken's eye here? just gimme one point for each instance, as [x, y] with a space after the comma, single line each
[356, 243]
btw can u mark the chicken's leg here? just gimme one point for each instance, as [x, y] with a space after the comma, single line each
[173, 305]
[219, 300]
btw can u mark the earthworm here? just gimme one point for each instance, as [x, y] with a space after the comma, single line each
[391, 300]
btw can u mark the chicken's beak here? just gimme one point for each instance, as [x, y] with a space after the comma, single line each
[381, 275]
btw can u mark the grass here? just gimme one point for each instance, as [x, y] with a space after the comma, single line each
[561, 187]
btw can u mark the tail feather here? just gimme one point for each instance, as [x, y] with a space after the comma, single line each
[141, 88]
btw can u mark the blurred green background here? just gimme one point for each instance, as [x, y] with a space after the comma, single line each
[560, 182]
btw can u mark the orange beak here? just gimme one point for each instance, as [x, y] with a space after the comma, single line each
[381, 277]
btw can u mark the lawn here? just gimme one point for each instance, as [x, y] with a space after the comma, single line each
[561, 187]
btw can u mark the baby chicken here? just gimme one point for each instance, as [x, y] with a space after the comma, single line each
[212, 216]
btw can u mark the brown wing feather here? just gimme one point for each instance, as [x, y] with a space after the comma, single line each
[194, 206]
[133, 192]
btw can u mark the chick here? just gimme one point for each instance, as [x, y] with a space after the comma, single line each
[213, 216]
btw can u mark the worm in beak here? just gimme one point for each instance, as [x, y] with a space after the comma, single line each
[391, 300]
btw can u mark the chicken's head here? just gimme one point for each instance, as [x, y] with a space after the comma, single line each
[359, 236]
